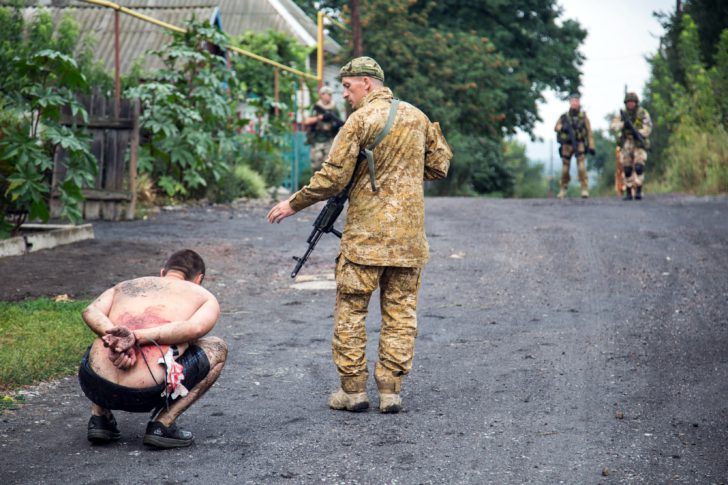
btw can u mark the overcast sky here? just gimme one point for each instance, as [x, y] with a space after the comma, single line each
[620, 34]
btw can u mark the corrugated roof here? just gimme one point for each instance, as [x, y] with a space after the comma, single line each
[239, 16]
[137, 36]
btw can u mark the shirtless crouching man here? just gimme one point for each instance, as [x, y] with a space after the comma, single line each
[139, 322]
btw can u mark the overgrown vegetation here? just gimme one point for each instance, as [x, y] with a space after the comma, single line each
[39, 340]
[198, 144]
[188, 111]
[687, 97]
[44, 67]
[477, 67]
[264, 147]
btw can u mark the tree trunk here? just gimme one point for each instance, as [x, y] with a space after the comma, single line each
[357, 41]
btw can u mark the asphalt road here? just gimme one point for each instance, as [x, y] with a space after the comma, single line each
[569, 342]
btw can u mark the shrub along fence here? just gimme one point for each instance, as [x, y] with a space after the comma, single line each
[115, 129]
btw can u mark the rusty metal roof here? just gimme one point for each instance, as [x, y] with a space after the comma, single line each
[137, 36]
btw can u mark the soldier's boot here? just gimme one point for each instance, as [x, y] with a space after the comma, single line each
[389, 386]
[584, 193]
[389, 403]
[349, 401]
[627, 194]
[638, 193]
[562, 193]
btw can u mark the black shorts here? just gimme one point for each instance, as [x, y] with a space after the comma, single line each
[113, 396]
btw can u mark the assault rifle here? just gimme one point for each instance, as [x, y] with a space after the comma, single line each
[572, 136]
[329, 117]
[628, 123]
[324, 223]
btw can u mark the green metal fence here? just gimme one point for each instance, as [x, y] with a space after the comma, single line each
[299, 161]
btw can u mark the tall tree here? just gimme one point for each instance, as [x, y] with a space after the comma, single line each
[478, 68]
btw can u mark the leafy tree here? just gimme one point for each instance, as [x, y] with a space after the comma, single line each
[689, 113]
[477, 67]
[189, 112]
[39, 78]
[264, 148]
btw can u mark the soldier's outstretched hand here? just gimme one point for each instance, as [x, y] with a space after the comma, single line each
[280, 211]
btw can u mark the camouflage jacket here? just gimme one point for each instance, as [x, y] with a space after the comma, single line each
[387, 227]
[640, 119]
[581, 125]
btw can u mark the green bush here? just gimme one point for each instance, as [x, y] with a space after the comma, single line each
[189, 113]
[251, 183]
[698, 160]
[243, 181]
[40, 76]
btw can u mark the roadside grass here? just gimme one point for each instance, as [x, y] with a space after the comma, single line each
[39, 340]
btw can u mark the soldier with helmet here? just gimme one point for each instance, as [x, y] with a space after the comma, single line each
[633, 126]
[383, 244]
[575, 137]
[323, 125]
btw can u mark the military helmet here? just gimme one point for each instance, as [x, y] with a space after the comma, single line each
[326, 90]
[574, 95]
[362, 66]
[631, 96]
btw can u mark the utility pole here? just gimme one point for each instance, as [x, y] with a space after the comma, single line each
[356, 35]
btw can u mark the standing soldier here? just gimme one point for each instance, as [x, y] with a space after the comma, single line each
[383, 243]
[323, 125]
[633, 127]
[574, 130]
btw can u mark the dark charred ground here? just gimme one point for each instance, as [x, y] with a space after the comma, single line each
[575, 342]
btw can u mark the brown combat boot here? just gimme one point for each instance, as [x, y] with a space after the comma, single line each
[345, 401]
[390, 403]
[584, 194]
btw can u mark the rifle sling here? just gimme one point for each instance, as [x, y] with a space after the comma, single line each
[369, 151]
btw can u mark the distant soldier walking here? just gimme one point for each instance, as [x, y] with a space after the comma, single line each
[323, 125]
[633, 126]
[575, 137]
[383, 244]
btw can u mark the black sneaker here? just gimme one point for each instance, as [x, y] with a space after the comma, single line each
[102, 429]
[638, 193]
[163, 437]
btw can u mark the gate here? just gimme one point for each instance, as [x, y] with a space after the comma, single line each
[113, 196]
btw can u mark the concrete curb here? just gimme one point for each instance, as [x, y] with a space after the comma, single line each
[44, 236]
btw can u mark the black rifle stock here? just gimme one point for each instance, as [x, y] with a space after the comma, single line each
[628, 123]
[324, 223]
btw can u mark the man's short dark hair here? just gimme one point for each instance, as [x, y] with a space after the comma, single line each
[187, 262]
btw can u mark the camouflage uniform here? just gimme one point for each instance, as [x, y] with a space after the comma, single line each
[633, 153]
[582, 133]
[322, 134]
[383, 243]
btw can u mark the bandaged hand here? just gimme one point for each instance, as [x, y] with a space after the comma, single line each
[119, 339]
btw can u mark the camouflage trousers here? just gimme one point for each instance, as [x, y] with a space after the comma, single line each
[566, 152]
[633, 164]
[398, 287]
[319, 152]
